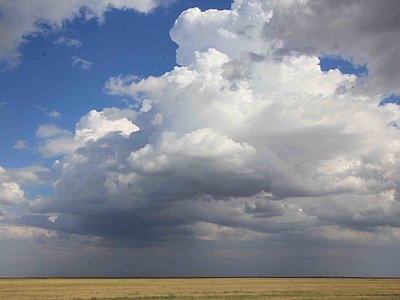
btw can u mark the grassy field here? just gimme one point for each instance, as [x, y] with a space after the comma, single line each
[221, 288]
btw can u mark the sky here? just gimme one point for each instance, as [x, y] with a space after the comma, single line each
[199, 138]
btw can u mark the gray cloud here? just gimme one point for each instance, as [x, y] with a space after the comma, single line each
[367, 31]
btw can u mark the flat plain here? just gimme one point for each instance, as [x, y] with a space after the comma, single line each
[199, 288]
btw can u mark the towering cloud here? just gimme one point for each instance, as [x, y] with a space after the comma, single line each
[246, 140]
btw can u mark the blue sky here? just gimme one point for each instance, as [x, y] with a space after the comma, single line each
[249, 134]
[127, 43]
[46, 80]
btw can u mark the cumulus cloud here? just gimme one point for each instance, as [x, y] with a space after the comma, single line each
[14, 204]
[11, 193]
[31, 175]
[81, 63]
[246, 144]
[56, 141]
[20, 19]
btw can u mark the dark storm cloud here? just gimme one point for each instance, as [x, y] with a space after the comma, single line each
[214, 139]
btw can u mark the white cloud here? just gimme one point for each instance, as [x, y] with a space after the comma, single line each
[24, 233]
[58, 146]
[21, 144]
[51, 130]
[11, 194]
[234, 31]
[51, 113]
[21, 19]
[33, 174]
[68, 42]
[97, 124]
[93, 126]
[81, 63]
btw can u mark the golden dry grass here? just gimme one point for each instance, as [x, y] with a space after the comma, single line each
[221, 288]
